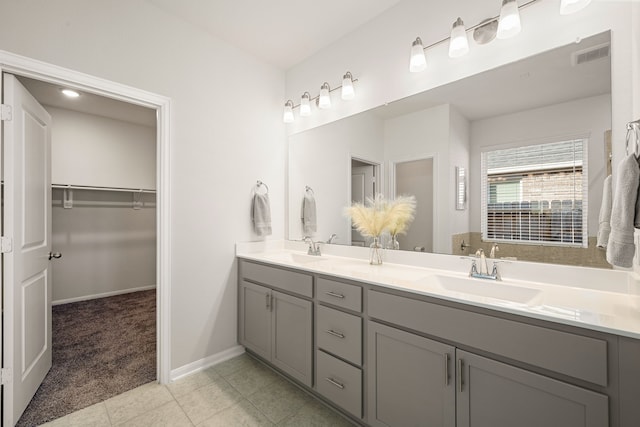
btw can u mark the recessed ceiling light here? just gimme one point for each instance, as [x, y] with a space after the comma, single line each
[70, 93]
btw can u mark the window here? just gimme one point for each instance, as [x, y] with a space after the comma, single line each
[536, 194]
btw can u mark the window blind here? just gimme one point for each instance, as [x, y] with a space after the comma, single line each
[536, 194]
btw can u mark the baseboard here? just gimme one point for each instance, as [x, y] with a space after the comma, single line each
[103, 295]
[207, 362]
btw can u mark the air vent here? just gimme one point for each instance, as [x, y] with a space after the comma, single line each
[591, 54]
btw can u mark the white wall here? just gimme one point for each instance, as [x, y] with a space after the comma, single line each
[321, 159]
[99, 151]
[459, 152]
[107, 246]
[584, 117]
[423, 134]
[226, 133]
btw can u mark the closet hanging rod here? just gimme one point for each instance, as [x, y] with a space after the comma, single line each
[120, 189]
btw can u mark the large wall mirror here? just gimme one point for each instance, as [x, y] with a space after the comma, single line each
[533, 110]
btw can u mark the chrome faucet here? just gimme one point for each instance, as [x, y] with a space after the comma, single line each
[483, 273]
[494, 249]
[314, 247]
[331, 238]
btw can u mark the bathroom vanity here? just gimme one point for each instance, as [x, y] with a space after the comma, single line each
[399, 344]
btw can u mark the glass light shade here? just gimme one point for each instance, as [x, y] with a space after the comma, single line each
[568, 7]
[324, 101]
[305, 106]
[288, 112]
[509, 22]
[348, 92]
[70, 93]
[418, 61]
[458, 44]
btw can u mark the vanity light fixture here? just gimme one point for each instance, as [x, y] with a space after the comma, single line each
[568, 7]
[509, 21]
[288, 112]
[305, 105]
[70, 93]
[348, 93]
[324, 101]
[418, 61]
[458, 44]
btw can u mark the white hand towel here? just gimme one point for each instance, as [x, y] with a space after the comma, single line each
[309, 218]
[621, 248]
[261, 214]
[604, 220]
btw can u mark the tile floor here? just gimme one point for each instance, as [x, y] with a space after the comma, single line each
[238, 392]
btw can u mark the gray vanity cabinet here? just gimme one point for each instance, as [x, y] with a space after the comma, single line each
[255, 330]
[493, 394]
[411, 379]
[274, 325]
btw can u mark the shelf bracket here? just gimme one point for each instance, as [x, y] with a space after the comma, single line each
[67, 198]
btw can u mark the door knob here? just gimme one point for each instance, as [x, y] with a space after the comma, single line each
[55, 255]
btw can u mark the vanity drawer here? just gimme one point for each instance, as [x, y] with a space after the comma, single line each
[339, 333]
[340, 294]
[291, 281]
[563, 352]
[339, 382]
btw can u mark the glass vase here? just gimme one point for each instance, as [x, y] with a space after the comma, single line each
[375, 254]
[394, 244]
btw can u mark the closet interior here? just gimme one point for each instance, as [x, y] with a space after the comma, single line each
[103, 234]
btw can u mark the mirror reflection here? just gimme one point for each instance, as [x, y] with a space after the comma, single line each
[530, 139]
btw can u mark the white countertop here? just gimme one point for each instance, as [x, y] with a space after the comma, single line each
[602, 300]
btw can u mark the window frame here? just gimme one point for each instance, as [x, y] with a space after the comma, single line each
[484, 187]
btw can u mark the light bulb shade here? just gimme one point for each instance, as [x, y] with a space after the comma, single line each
[324, 101]
[305, 106]
[568, 7]
[458, 44]
[348, 91]
[288, 112]
[418, 61]
[509, 22]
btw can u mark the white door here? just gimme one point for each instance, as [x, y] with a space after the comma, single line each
[27, 220]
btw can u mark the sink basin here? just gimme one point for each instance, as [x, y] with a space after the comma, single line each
[296, 258]
[482, 288]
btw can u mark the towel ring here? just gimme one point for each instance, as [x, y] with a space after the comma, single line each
[260, 184]
[633, 128]
[308, 189]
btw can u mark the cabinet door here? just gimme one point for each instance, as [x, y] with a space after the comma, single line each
[411, 381]
[255, 318]
[493, 394]
[292, 336]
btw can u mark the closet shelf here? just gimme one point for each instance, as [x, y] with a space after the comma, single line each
[119, 189]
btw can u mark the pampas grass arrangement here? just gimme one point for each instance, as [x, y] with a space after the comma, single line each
[377, 215]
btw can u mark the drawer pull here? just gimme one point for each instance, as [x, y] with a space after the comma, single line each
[334, 333]
[335, 383]
[460, 374]
[335, 295]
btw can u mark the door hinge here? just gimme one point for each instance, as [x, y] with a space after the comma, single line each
[6, 245]
[6, 376]
[6, 112]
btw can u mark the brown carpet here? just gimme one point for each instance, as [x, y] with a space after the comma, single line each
[101, 348]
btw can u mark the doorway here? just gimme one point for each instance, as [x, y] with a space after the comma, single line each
[415, 177]
[364, 175]
[21, 66]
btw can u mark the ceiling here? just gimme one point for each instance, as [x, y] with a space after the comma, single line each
[537, 81]
[280, 32]
[51, 95]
